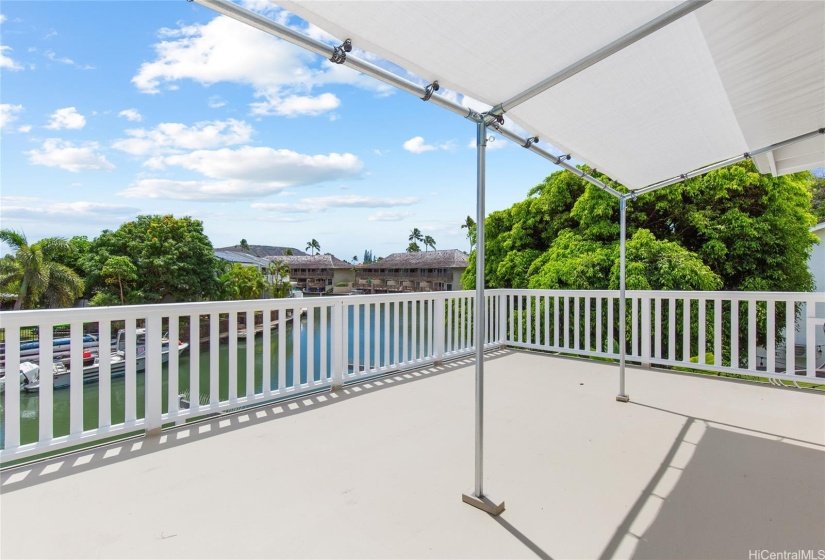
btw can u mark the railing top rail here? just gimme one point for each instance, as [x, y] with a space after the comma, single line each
[678, 294]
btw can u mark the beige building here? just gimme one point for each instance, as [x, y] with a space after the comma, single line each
[413, 272]
[316, 273]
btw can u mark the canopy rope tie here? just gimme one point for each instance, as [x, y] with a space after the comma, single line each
[339, 54]
[429, 90]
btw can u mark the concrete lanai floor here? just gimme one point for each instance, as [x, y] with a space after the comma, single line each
[692, 467]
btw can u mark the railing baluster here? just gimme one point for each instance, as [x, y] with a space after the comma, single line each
[576, 325]
[752, 334]
[556, 322]
[703, 348]
[130, 382]
[416, 340]
[266, 351]
[734, 333]
[194, 362]
[717, 332]
[587, 334]
[153, 375]
[12, 391]
[387, 306]
[657, 328]
[214, 358]
[686, 330]
[566, 318]
[610, 331]
[790, 337]
[771, 338]
[634, 327]
[232, 364]
[173, 366]
[46, 392]
[296, 347]
[311, 345]
[671, 329]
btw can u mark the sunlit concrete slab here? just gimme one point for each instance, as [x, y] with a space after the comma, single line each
[692, 467]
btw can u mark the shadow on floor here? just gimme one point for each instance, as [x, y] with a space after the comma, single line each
[30, 474]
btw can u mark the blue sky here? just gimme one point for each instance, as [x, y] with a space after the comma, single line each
[114, 109]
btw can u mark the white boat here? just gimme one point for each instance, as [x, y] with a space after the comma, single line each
[117, 363]
[29, 373]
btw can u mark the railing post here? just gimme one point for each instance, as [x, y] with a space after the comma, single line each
[438, 329]
[338, 343]
[153, 383]
[646, 330]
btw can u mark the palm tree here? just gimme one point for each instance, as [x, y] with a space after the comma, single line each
[470, 224]
[34, 275]
[244, 245]
[413, 247]
[278, 274]
[429, 242]
[355, 259]
[313, 246]
[415, 235]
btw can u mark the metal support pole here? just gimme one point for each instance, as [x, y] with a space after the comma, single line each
[477, 498]
[622, 396]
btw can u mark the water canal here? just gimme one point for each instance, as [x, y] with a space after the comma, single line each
[30, 402]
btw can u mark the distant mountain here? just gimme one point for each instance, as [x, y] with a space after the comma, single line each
[262, 250]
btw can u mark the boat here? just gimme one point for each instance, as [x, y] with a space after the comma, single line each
[117, 363]
[61, 348]
[29, 373]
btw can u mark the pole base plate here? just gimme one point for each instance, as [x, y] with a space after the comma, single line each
[484, 503]
[623, 398]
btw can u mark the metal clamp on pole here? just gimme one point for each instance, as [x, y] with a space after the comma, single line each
[530, 142]
[339, 55]
[429, 90]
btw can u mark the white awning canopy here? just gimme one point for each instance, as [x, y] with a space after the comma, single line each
[725, 79]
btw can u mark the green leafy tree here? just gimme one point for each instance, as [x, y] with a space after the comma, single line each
[173, 258]
[278, 284]
[35, 276]
[748, 229]
[244, 245]
[288, 253]
[241, 282]
[118, 270]
[413, 247]
[313, 246]
[429, 242]
[818, 198]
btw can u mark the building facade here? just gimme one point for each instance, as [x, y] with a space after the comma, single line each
[316, 273]
[429, 271]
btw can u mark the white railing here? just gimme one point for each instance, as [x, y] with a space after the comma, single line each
[729, 332]
[344, 339]
[337, 340]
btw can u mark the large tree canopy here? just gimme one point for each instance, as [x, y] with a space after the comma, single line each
[172, 257]
[732, 229]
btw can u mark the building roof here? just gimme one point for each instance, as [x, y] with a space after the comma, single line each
[240, 257]
[261, 250]
[311, 261]
[444, 258]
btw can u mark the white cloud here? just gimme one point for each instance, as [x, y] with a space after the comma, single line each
[262, 164]
[68, 117]
[388, 216]
[324, 203]
[65, 155]
[281, 75]
[51, 55]
[8, 114]
[296, 105]
[173, 137]
[215, 101]
[26, 128]
[30, 208]
[2, 18]
[6, 61]
[417, 145]
[131, 114]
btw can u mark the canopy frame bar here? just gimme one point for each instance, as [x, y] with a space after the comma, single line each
[727, 162]
[266, 25]
[619, 44]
